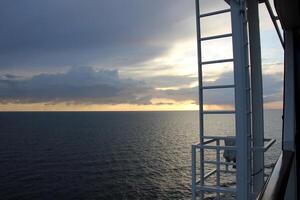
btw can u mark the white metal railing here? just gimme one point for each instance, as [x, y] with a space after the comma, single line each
[217, 143]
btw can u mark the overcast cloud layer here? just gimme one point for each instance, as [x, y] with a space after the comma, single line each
[55, 33]
[84, 85]
[88, 43]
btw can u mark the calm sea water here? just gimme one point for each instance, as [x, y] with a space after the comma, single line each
[105, 155]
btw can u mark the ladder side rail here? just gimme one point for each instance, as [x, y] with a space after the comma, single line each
[248, 107]
[200, 91]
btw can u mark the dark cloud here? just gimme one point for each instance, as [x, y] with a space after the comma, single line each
[183, 94]
[109, 32]
[272, 87]
[84, 85]
[79, 85]
[171, 81]
[215, 96]
[272, 91]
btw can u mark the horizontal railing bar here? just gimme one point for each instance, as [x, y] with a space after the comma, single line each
[228, 171]
[276, 185]
[229, 136]
[216, 37]
[209, 141]
[210, 173]
[219, 112]
[217, 61]
[218, 189]
[269, 144]
[217, 147]
[217, 137]
[218, 86]
[264, 148]
[267, 139]
[215, 13]
[221, 163]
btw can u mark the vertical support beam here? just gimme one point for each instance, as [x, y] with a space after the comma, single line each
[257, 96]
[201, 121]
[289, 110]
[289, 96]
[241, 78]
[218, 159]
[193, 172]
[297, 110]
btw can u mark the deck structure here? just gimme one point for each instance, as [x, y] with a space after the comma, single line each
[240, 154]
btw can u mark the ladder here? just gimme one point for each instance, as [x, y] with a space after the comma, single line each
[242, 112]
[244, 151]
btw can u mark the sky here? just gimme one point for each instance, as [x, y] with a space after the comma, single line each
[120, 55]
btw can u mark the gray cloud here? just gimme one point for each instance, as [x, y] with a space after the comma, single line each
[79, 85]
[272, 87]
[84, 85]
[272, 91]
[113, 32]
[170, 81]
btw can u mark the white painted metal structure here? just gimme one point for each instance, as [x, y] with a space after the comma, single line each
[257, 96]
[249, 143]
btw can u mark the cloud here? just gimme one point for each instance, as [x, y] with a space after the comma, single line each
[170, 81]
[57, 33]
[85, 85]
[81, 85]
[272, 89]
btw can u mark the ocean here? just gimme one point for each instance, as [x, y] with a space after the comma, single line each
[106, 155]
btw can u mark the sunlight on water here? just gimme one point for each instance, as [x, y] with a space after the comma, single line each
[109, 155]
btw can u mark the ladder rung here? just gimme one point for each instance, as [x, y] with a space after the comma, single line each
[216, 61]
[216, 37]
[219, 112]
[218, 86]
[215, 13]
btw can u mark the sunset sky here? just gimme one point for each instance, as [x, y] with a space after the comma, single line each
[115, 55]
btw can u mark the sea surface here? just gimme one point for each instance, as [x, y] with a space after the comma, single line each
[106, 155]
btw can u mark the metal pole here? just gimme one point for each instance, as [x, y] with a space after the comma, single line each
[193, 172]
[201, 128]
[239, 40]
[218, 167]
[257, 96]
[273, 18]
[289, 109]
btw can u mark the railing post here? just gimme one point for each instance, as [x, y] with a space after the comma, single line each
[193, 172]
[218, 159]
[289, 109]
